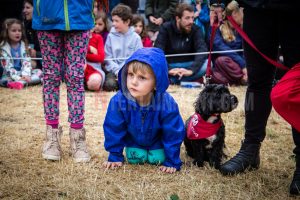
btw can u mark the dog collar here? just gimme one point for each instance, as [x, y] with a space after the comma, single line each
[200, 129]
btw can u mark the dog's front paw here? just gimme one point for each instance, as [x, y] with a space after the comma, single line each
[215, 164]
[198, 163]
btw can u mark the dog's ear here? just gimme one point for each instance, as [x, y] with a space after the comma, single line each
[202, 104]
[197, 104]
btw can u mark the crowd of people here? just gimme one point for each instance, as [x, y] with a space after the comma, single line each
[112, 47]
[174, 29]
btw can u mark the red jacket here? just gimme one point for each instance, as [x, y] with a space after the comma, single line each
[96, 41]
[147, 42]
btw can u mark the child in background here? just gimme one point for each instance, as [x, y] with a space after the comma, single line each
[31, 35]
[94, 76]
[201, 15]
[101, 25]
[140, 28]
[121, 42]
[17, 72]
[95, 8]
[142, 117]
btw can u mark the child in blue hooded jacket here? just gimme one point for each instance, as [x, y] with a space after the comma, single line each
[142, 117]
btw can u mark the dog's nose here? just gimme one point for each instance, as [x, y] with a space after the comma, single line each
[234, 101]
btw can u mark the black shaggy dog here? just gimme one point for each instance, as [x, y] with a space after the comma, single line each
[205, 129]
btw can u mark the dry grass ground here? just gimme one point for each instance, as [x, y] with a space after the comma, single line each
[25, 175]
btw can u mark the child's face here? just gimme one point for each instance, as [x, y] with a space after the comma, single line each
[95, 11]
[140, 85]
[15, 33]
[99, 26]
[120, 25]
[138, 28]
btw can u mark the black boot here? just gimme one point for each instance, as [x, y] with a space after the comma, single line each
[246, 158]
[295, 185]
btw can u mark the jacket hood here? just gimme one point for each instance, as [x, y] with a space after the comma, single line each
[156, 59]
[129, 32]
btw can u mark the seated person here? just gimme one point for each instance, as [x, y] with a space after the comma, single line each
[31, 35]
[121, 42]
[17, 72]
[94, 76]
[229, 68]
[158, 12]
[201, 15]
[182, 36]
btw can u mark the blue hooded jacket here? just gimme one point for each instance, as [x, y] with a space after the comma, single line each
[66, 15]
[156, 126]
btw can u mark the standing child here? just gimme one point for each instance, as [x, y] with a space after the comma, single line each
[63, 35]
[101, 25]
[94, 76]
[142, 117]
[139, 27]
[121, 42]
[16, 63]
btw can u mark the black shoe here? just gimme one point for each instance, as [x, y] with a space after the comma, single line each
[110, 83]
[295, 185]
[246, 158]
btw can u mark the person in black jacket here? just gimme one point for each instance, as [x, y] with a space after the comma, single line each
[268, 24]
[158, 12]
[182, 36]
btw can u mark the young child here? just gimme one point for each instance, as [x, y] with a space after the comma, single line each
[63, 38]
[94, 76]
[121, 42]
[101, 25]
[139, 27]
[17, 72]
[142, 117]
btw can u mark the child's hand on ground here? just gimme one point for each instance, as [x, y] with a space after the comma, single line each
[112, 165]
[169, 170]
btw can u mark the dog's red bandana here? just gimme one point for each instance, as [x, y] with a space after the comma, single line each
[199, 128]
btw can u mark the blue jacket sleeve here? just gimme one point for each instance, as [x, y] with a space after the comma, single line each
[220, 45]
[204, 14]
[114, 130]
[173, 134]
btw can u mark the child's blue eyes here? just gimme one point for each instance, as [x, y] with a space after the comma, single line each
[131, 75]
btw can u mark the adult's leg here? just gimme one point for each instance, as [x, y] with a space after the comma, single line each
[290, 45]
[262, 28]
